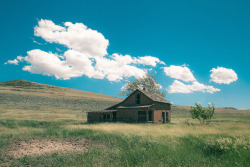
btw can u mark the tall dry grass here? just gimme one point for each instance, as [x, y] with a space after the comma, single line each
[183, 142]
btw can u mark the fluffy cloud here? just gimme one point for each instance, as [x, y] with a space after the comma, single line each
[74, 64]
[118, 67]
[86, 55]
[15, 61]
[71, 64]
[179, 87]
[149, 60]
[223, 75]
[75, 36]
[179, 72]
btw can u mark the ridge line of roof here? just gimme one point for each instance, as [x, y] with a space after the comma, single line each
[162, 100]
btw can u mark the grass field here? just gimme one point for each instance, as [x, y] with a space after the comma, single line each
[40, 135]
[183, 142]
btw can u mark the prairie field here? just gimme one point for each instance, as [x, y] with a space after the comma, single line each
[61, 137]
[37, 132]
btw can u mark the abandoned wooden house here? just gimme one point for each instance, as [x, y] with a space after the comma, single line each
[139, 107]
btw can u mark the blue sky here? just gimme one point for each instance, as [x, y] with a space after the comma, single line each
[178, 41]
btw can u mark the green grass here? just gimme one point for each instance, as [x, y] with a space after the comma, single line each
[14, 124]
[224, 143]
[136, 151]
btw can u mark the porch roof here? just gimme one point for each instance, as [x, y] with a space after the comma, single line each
[137, 106]
[102, 111]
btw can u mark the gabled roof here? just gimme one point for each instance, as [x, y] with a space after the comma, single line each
[154, 96]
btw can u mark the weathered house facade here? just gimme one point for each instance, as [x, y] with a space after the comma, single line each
[139, 107]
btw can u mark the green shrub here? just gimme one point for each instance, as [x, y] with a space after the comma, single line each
[204, 115]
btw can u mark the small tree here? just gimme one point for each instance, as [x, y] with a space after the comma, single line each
[204, 115]
[148, 82]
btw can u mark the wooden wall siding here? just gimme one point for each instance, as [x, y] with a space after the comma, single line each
[98, 117]
[158, 116]
[162, 106]
[131, 115]
[131, 100]
[169, 116]
[126, 115]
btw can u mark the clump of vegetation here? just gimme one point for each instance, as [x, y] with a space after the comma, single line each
[186, 122]
[148, 82]
[225, 144]
[204, 115]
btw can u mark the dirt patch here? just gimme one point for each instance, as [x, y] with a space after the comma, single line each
[36, 147]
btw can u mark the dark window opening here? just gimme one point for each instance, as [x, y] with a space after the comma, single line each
[166, 116]
[150, 116]
[114, 116]
[163, 118]
[142, 116]
[138, 99]
[106, 117]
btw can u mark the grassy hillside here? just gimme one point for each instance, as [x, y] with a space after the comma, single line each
[31, 94]
[36, 132]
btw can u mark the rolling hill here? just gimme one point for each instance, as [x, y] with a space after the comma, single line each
[31, 94]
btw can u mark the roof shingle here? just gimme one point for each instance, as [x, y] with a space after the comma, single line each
[154, 96]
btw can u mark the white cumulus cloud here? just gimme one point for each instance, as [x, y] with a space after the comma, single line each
[75, 64]
[118, 66]
[87, 55]
[223, 75]
[149, 60]
[179, 72]
[75, 36]
[15, 62]
[179, 87]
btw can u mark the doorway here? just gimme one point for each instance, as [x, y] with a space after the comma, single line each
[114, 116]
[150, 116]
[166, 116]
[163, 120]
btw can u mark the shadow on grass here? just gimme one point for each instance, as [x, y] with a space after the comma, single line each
[13, 124]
